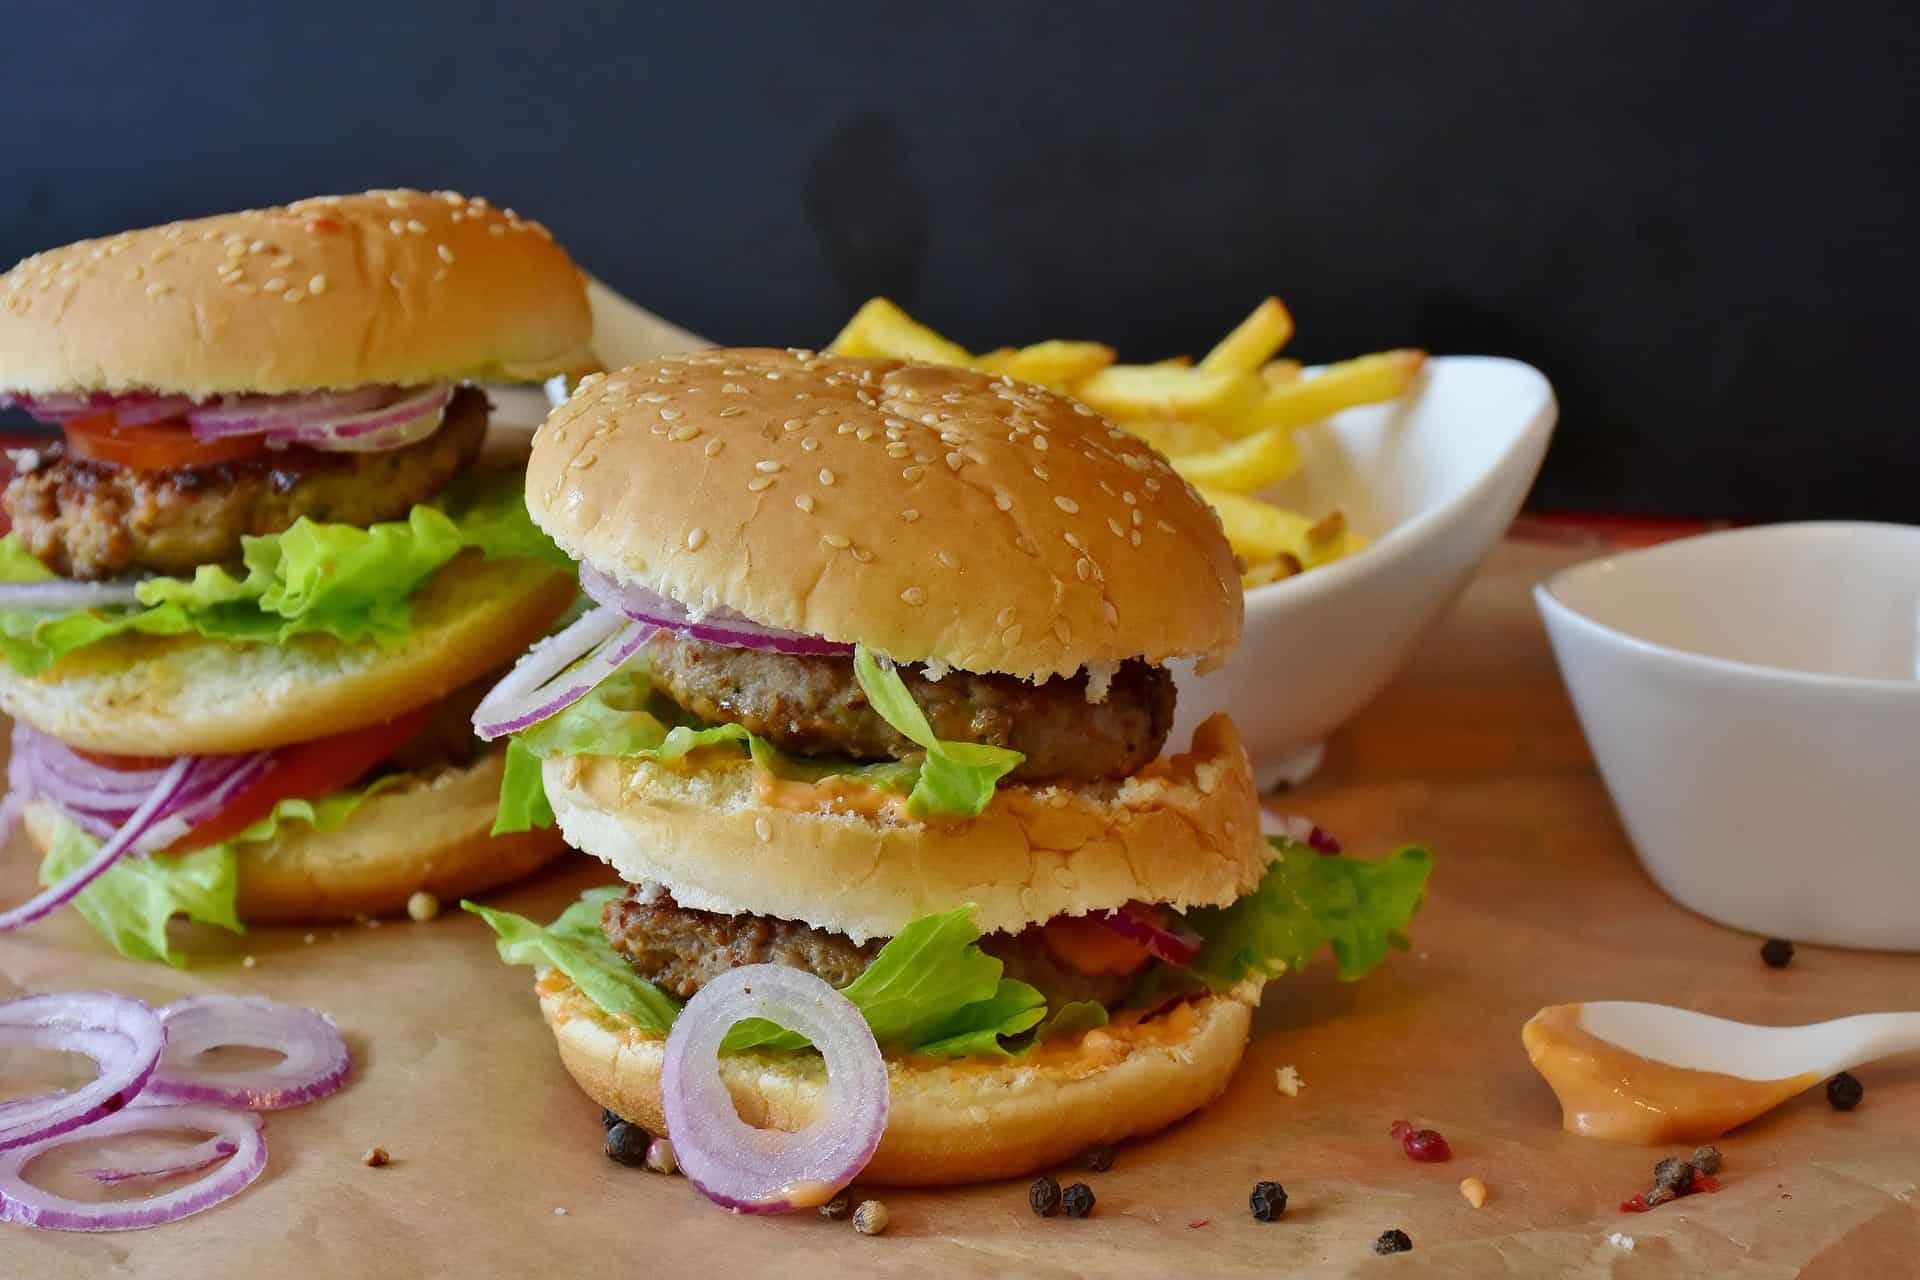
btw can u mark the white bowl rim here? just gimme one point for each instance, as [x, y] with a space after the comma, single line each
[1730, 668]
[1395, 542]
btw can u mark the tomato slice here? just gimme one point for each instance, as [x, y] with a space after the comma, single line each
[154, 446]
[1087, 946]
[305, 771]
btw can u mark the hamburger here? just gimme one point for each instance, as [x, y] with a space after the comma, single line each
[878, 690]
[253, 590]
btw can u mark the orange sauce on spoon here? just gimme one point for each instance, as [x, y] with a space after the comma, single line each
[1610, 1093]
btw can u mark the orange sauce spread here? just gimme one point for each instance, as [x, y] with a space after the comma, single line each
[829, 795]
[1606, 1092]
[1098, 1049]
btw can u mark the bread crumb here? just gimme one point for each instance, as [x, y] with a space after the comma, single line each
[248, 962]
[308, 939]
[1474, 1190]
[375, 1157]
[1620, 1240]
[423, 906]
[1288, 1081]
[558, 1212]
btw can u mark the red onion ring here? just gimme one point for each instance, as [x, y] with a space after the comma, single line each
[170, 1165]
[1139, 923]
[767, 1170]
[722, 626]
[396, 435]
[165, 795]
[63, 594]
[21, 1201]
[546, 680]
[144, 406]
[121, 1035]
[1299, 830]
[315, 1063]
[252, 415]
[332, 427]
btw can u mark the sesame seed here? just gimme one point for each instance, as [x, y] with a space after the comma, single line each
[1138, 517]
[1072, 539]
[246, 290]
[416, 227]
[275, 284]
[759, 484]
[1126, 496]
[393, 278]
[863, 434]
[685, 431]
[446, 254]
[158, 290]
[910, 515]
[713, 447]
[161, 254]
[947, 558]
[696, 538]
[1002, 499]
[1135, 536]
[793, 424]
[767, 465]
[826, 475]
[898, 450]
[1082, 567]
[862, 555]
[396, 226]
[838, 541]
[914, 595]
[1041, 472]
[654, 397]
[1113, 614]
[317, 285]
[282, 262]
[913, 473]
[763, 829]
[1027, 545]
[1011, 636]
[804, 502]
[732, 389]
[294, 295]
[670, 415]
[1004, 618]
[1164, 527]
[1067, 505]
[955, 460]
[809, 443]
[226, 277]
[1040, 443]
[1119, 530]
[235, 248]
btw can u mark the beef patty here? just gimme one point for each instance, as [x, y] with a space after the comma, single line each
[679, 950]
[815, 706]
[85, 519]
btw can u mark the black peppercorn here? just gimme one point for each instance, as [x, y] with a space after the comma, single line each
[1675, 1174]
[839, 1207]
[1044, 1196]
[1099, 1159]
[609, 1118]
[1706, 1160]
[1845, 1092]
[1777, 952]
[1268, 1201]
[1077, 1200]
[627, 1144]
[1394, 1241]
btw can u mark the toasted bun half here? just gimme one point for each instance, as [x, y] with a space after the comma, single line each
[191, 695]
[926, 512]
[429, 833]
[1185, 831]
[948, 1122]
[336, 291]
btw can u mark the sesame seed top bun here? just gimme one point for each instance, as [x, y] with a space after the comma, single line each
[334, 291]
[926, 512]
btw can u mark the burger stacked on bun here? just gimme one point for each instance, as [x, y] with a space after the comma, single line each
[877, 691]
[254, 589]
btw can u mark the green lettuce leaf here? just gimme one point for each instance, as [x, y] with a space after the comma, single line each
[340, 580]
[523, 793]
[956, 777]
[929, 989]
[131, 902]
[574, 945]
[1307, 900]
[1072, 1019]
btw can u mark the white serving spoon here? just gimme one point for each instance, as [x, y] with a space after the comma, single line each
[1651, 1073]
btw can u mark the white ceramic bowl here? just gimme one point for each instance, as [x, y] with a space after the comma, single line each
[1753, 701]
[1434, 480]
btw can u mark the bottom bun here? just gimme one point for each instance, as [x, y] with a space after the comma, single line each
[430, 832]
[950, 1121]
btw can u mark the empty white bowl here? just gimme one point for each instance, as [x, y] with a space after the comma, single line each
[1434, 479]
[1753, 701]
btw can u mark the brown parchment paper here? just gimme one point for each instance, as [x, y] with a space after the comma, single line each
[1536, 900]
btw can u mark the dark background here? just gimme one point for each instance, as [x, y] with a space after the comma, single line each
[1699, 219]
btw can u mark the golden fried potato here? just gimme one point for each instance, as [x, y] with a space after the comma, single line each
[882, 329]
[1057, 364]
[1243, 466]
[1125, 392]
[1253, 341]
[1363, 380]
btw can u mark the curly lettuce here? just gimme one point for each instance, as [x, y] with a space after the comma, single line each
[342, 580]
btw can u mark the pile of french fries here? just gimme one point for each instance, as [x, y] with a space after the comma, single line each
[1226, 423]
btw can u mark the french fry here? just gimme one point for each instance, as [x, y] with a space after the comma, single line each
[1253, 341]
[1259, 575]
[882, 329]
[1259, 530]
[1243, 466]
[1176, 438]
[1277, 373]
[1057, 364]
[1130, 391]
[1330, 539]
[1363, 380]
[1173, 362]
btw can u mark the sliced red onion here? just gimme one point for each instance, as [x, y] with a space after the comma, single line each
[546, 680]
[63, 594]
[21, 1201]
[333, 432]
[121, 1035]
[164, 796]
[255, 415]
[397, 435]
[170, 1165]
[722, 626]
[1299, 830]
[158, 409]
[1144, 925]
[315, 1061]
[767, 1170]
[143, 406]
